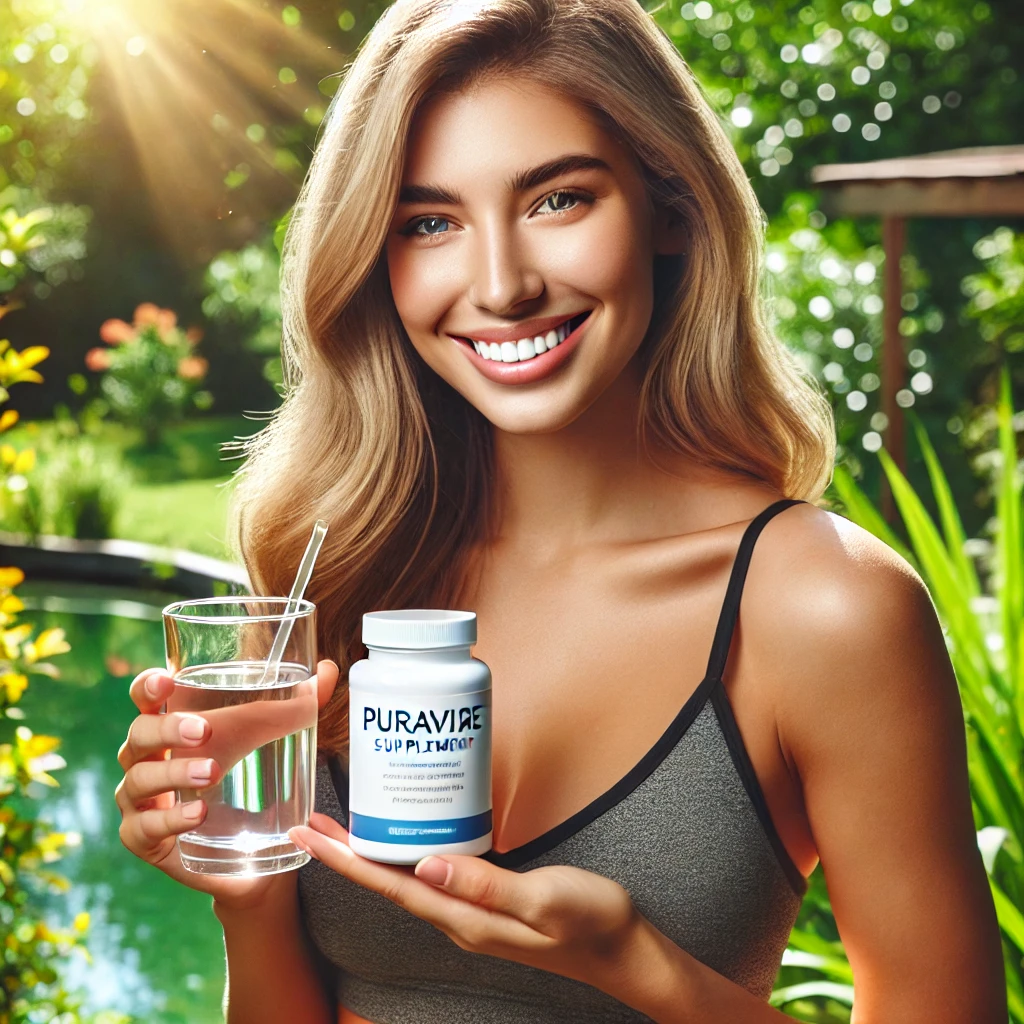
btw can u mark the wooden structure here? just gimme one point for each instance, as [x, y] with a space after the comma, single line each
[985, 182]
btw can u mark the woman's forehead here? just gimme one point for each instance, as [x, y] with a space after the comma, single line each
[500, 123]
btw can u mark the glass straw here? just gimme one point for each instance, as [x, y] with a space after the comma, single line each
[302, 577]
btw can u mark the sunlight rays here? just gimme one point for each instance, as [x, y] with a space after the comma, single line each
[201, 85]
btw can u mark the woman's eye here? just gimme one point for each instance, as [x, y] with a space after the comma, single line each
[425, 222]
[560, 202]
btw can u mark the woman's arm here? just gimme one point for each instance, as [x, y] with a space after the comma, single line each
[870, 721]
[272, 973]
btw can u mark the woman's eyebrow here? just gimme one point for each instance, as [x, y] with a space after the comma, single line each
[519, 182]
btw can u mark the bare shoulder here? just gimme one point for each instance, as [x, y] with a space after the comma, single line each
[827, 572]
[843, 625]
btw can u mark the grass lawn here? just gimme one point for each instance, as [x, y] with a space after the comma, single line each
[175, 496]
[191, 514]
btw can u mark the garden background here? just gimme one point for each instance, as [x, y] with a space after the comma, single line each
[149, 153]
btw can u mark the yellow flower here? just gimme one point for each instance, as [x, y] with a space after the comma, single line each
[16, 367]
[46, 645]
[12, 639]
[11, 577]
[25, 461]
[14, 684]
[82, 922]
[36, 754]
[8, 419]
[51, 846]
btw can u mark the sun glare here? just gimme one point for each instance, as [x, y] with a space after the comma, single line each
[200, 84]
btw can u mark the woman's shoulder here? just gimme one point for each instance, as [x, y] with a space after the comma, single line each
[826, 572]
[842, 627]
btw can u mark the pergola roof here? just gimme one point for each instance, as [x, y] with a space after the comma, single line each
[957, 183]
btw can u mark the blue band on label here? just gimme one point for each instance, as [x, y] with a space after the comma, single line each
[444, 830]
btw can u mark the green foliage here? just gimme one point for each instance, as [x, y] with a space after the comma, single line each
[44, 70]
[242, 290]
[982, 613]
[151, 374]
[996, 294]
[74, 490]
[804, 82]
[845, 78]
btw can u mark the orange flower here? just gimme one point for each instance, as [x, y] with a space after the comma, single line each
[194, 335]
[118, 666]
[166, 320]
[97, 359]
[193, 367]
[114, 332]
[146, 314]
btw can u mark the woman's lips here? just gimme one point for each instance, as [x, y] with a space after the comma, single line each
[533, 369]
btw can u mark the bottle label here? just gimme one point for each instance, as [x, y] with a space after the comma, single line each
[420, 769]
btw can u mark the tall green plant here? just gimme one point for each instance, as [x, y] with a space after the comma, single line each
[982, 614]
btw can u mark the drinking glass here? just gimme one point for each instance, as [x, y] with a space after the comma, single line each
[262, 727]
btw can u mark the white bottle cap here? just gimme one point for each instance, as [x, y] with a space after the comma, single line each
[419, 629]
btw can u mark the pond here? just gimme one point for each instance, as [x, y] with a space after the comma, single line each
[156, 947]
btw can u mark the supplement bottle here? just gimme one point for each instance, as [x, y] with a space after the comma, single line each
[420, 738]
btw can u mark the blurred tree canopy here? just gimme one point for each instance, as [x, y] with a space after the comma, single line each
[44, 73]
[189, 152]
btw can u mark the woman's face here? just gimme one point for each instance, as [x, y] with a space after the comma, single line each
[519, 216]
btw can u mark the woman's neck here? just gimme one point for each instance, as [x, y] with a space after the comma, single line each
[590, 483]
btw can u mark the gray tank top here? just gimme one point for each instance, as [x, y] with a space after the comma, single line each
[687, 833]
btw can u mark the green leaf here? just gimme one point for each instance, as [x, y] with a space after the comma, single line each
[952, 527]
[813, 989]
[1011, 920]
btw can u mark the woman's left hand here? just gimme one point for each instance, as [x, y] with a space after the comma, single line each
[559, 919]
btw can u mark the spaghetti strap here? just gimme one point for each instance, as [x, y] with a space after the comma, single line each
[731, 604]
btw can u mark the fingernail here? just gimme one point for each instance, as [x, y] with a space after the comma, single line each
[200, 771]
[193, 810]
[434, 870]
[153, 686]
[192, 728]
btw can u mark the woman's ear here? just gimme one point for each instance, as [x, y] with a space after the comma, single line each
[669, 232]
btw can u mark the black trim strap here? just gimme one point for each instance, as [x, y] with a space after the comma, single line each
[731, 605]
[745, 770]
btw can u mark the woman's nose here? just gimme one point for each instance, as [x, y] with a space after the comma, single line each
[502, 276]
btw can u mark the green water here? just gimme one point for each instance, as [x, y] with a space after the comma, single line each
[155, 945]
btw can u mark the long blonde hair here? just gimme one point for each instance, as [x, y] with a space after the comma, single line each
[373, 441]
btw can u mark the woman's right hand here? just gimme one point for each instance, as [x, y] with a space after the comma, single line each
[151, 816]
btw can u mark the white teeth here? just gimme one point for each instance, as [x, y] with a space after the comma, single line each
[523, 350]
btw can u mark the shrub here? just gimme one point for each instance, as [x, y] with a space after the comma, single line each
[74, 491]
[151, 373]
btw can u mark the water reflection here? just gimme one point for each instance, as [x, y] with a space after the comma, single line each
[156, 947]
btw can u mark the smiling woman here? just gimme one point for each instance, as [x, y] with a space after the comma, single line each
[529, 376]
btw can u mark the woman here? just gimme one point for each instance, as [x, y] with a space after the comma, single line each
[530, 376]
